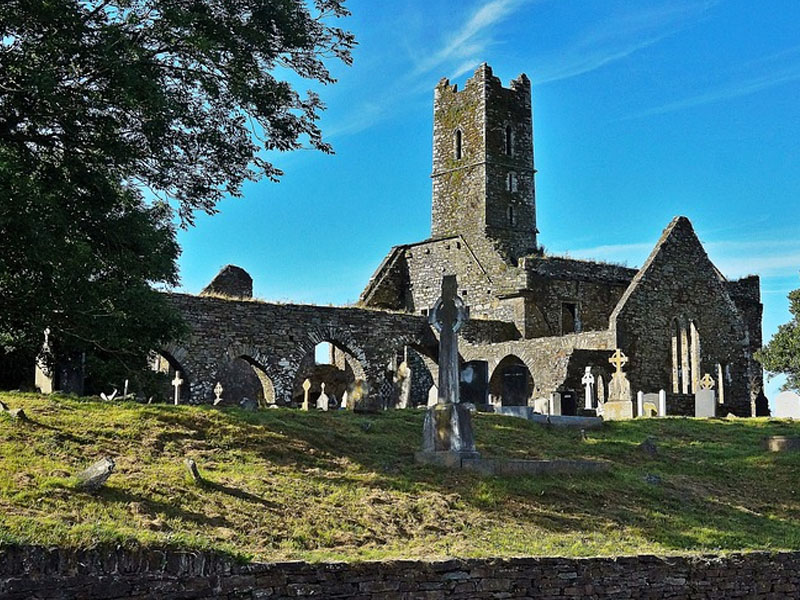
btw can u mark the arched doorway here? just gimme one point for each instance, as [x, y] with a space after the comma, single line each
[511, 383]
[245, 383]
[167, 371]
[330, 363]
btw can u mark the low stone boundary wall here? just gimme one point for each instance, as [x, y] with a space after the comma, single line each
[31, 572]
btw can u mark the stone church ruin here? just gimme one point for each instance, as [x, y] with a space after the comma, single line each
[541, 327]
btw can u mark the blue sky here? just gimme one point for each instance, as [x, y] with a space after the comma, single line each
[642, 111]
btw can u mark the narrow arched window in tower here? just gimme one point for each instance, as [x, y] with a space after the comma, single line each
[509, 141]
[458, 143]
[511, 182]
[511, 216]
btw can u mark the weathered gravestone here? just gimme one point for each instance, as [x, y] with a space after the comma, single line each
[402, 380]
[433, 395]
[650, 404]
[588, 388]
[787, 406]
[44, 376]
[306, 388]
[218, 393]
[447, 432]
[93, 478]
[619, 404]
[323, 401]
[705, 400]
[541, 406]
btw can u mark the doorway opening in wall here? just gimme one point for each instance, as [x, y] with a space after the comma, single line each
[331, 368]
[569, 318]
[166, 368]
[245, 383]
[511, 383]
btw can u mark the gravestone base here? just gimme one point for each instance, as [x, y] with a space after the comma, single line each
[444, 458]
[448, 428]
[618, 410]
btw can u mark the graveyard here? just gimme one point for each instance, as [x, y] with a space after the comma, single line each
[288, 484]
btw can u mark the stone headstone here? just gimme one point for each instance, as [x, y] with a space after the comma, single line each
[248, 404]
[705, 403]
[662, 403]
[617, 411]
[194, 472]
[588, 388]
[176, 383]
[433, 395]
[323, 401]
[402, 379]
[619, 404]
[555, 404]
[343, 405]
[787, 406]
[541, 406]
[93, 478]
[306, 388]
[218, 393]
[44, 376]
[650, 405]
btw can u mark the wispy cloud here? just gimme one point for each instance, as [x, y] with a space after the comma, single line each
[770, 71]
[620, 36]
[735, 258]
[470, 40]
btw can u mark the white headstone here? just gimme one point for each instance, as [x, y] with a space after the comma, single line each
[705, 403]
[433, 395]
[218, 393]
[176, 383]
[787, 406]
[541, 406]
[588, 388]
[640, 403]
[555, 404]
[343, 405]
[323, 401]
[662, 403]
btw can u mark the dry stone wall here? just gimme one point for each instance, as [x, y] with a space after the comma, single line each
[140, 574]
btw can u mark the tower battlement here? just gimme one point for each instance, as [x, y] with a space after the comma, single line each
[483, 175]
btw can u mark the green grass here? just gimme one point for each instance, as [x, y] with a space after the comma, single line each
[285, 484]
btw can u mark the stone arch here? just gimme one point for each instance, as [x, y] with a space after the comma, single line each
[348, 369]
[267, 380]
[168, 361]
[511, 382]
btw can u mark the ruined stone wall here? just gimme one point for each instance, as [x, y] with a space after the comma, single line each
[276, 339]
[547, 359]
[118, 574]
[746, 294]
[678, 280]
[429, 261]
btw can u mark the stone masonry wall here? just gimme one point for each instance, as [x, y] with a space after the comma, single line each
[678, 281]
[121, 575]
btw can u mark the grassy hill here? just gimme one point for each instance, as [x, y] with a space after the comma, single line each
[286, 484]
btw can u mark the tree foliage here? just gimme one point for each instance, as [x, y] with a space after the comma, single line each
[782, 354]
[117, 115]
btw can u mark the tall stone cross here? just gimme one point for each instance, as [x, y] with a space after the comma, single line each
[588, 384]
[176, 383]
[448, 316]
[618, 360]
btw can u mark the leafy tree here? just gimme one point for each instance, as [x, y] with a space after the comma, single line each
[102, 101]
[782, 354]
